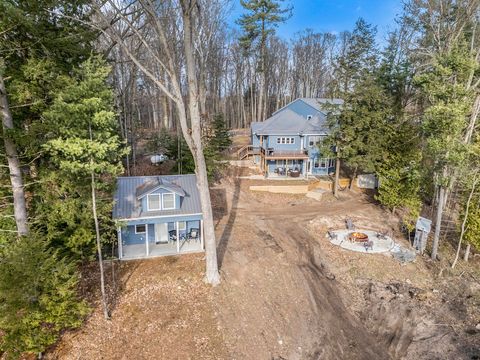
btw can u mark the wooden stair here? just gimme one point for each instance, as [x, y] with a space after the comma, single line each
[246, 151]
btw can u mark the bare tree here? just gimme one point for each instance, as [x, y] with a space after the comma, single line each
[164, 29]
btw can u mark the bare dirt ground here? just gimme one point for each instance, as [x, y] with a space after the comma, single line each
[164, 311]
[286, 293]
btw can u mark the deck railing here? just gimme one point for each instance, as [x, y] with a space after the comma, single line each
[278, 154]
[248, 150]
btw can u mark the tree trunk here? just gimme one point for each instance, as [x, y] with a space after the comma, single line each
[352, 179]
[19, 203]
[438, 222]
[99, 250]
[467, 253]
[212, 275]
[337, 175]
[166, 123]
[97, 234]
[464, 222]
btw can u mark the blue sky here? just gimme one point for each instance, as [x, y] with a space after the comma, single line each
[334, 15]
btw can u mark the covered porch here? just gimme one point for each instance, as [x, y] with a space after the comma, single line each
[286, 168]
[159, 237]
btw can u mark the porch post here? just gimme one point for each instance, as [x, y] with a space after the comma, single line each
[178, 237]
[201, 234]
[146, 238]
[119, 236]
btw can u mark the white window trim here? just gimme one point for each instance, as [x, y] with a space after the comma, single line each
[182, 228]
[159, 202]
[286, 140]
[174, 201]
[141, 232]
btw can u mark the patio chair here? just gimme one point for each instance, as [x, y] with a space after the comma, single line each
[172, 235]
[193, 234]
[382, 235]
[332, 236]
[349, 224]
[368, 245]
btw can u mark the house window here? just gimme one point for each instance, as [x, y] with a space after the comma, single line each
[182, 225]
[323, 163]
[168, 201]
[314, 140]
[316, 163]
[331, 162]
[153, 202]
[285, 140]
[140, 229]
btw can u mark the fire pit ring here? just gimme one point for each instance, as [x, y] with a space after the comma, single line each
[357, 237]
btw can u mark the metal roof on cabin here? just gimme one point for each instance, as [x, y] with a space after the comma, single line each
[128, 206]
[157, 183]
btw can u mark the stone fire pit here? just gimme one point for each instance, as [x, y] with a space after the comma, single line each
[356, 240]
[358, 237]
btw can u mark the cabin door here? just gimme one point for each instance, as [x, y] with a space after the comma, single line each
[161, 233]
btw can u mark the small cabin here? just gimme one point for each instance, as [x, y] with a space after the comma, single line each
[158, 215]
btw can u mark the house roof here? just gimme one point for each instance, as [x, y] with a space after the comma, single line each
[319, 103]
[158, 183]
[291, 120]
[127, 203]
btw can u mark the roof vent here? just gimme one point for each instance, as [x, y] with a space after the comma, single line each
[309, 117]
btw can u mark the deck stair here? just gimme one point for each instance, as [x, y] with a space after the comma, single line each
[246, 151]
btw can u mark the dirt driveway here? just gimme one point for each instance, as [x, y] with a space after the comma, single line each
[277, 298]
[287, 294]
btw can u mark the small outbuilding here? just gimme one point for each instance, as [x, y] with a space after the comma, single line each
[422, 229]
[158, 215]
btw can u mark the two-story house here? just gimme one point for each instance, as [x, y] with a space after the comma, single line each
[287, 143]
[158, 215]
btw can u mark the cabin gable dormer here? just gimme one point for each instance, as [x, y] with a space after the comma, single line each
[159, 195]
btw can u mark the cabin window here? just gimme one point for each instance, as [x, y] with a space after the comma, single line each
[153, 202]
[182, 225]
[140, 229]
[285, 140]
[168, 201]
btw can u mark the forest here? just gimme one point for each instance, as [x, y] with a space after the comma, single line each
[83, 82]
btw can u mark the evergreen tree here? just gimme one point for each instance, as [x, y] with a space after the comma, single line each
[36, 45]
[359, 127]
[38, 296]
[85, 143]
[448, 103]
[399, 171]
[260, 21]
[221, 139]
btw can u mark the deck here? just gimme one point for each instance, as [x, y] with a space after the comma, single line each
[298, 154]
